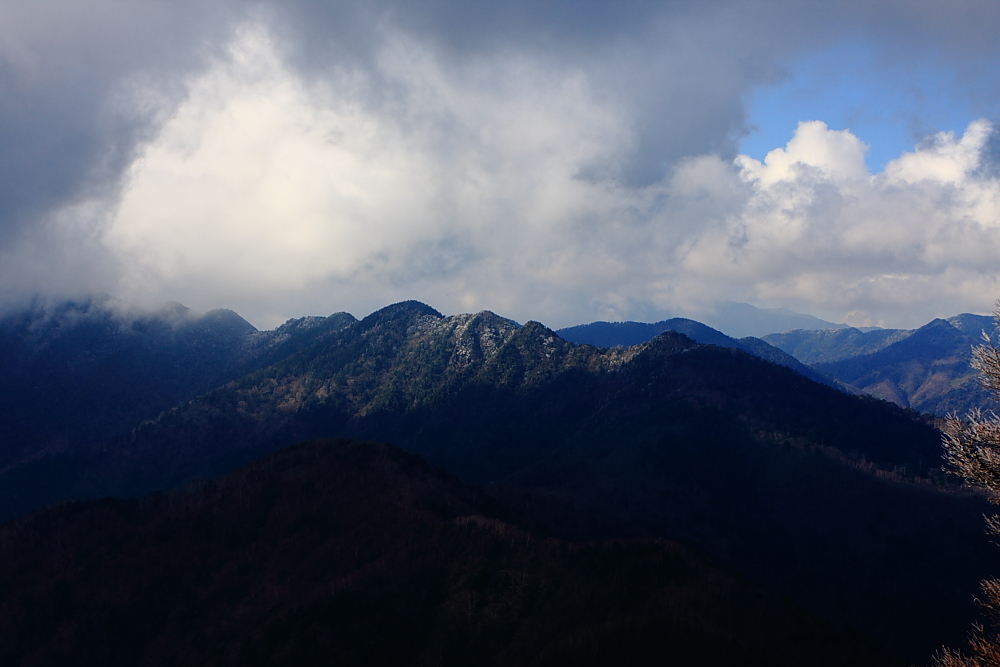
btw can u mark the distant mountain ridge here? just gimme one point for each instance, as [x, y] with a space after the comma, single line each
[927, 369]
[731, 319]
[625, 334]
[831, 345]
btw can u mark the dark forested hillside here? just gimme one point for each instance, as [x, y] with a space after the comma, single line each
[340, 552]
[792, 483]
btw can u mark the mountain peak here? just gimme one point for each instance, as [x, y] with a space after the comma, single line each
[405, 318]
[409, 307]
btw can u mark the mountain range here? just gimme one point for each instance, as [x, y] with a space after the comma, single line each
[626, 334]
[738, 320]
[834, 500]
[926, 369]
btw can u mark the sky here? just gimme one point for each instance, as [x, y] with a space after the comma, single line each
[556, 161]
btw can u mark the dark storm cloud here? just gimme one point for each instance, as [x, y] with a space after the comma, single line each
[67, 127]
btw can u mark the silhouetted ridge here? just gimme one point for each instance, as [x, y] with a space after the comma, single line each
[404, 311]
[973, 325]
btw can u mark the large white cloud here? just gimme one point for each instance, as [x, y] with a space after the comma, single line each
[817, 231]
[263, 189]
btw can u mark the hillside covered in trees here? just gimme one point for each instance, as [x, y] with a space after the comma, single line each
[340, 552]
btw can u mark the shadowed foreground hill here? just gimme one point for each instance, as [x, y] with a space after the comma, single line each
[355, 553]
[793, 484]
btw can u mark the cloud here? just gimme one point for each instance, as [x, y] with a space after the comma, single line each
[817, 231]
[264, 191]
[557, 161]
[66, 73]
[82, 85]
[263, 185]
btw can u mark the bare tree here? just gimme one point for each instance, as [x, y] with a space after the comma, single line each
[972, 450]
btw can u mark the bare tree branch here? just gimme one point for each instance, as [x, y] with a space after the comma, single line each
[972, 450]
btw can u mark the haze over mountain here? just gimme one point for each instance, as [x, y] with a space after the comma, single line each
[74, 374]
[740, 320]
[796, 485]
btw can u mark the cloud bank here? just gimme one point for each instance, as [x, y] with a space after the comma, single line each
[540, 161]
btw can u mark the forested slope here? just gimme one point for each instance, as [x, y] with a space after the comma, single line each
[339, 552]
